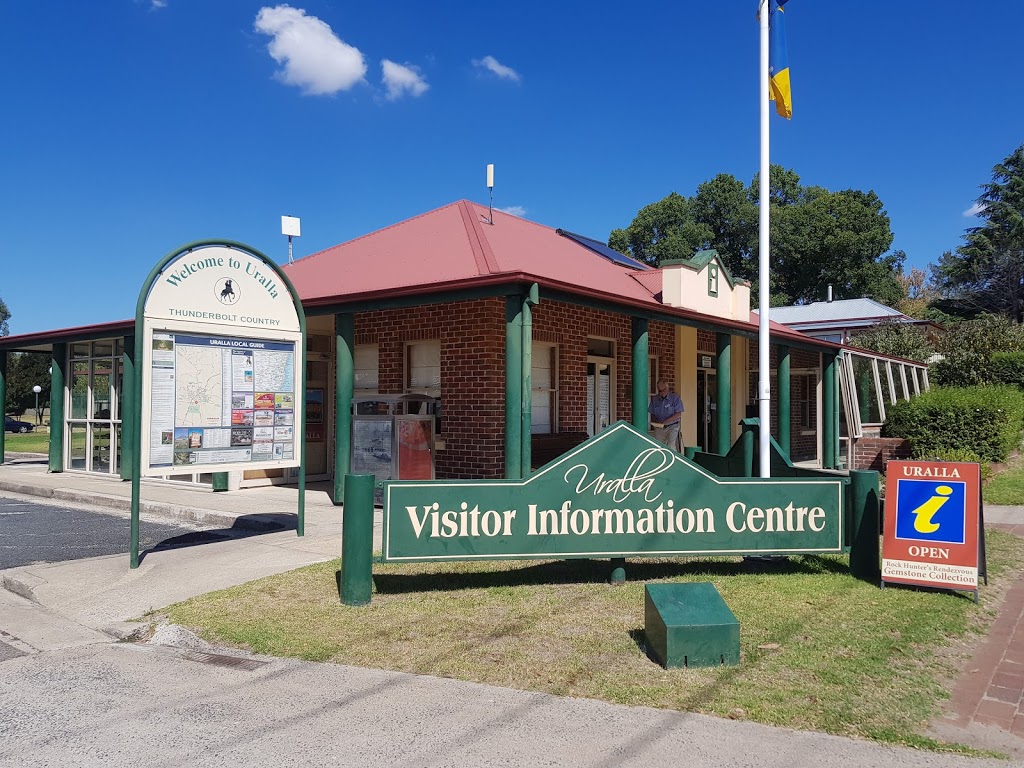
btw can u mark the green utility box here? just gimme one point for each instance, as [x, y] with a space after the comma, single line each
[689, 625]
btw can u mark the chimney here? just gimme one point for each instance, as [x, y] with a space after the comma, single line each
[829, 294]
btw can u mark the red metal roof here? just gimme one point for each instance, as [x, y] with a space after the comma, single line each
[456, 246]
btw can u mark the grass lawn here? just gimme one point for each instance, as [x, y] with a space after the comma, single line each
[1007, 486]
[37, 441]
[820, 650]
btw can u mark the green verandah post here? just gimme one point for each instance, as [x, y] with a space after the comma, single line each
[783, 384]
[344, 388]
[58, 362]
[723, 344]
[513, 386]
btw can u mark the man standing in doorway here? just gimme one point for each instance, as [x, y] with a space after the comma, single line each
[666, 409]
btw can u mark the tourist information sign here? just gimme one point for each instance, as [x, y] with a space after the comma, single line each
[933, 535]
[619, 494]
[220, 367]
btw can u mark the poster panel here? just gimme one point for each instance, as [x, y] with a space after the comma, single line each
[932, 524]
[221, 365]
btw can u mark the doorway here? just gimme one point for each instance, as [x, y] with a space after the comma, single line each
[600, 393]
[707, 410]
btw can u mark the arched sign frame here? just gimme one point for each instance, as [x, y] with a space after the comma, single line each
[208, 305]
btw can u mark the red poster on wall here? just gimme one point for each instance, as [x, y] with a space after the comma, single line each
[932, 531]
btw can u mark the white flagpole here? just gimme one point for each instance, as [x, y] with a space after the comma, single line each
[764, 385]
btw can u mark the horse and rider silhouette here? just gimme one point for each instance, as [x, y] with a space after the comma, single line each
[227, 292]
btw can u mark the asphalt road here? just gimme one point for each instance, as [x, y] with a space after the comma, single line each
[32, 532]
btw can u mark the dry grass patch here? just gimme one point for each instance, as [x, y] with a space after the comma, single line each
[820, 650]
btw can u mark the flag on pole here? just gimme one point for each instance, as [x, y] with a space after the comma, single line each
[778, 61]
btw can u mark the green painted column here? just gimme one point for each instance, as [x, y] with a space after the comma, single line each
[526, 411]
[785, 414]
[127, 413]
[513, 387]
[828, 408]
[723, 346]
[865, 525]
[59, 363]
[641, 372]
[3, 399]
[357, 541]
[344, 388]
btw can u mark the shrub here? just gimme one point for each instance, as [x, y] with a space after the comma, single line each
[1008, 368]
[968, 347]
[958, 454]
[985, 421]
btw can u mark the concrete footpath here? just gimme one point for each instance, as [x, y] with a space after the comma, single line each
[261, 711]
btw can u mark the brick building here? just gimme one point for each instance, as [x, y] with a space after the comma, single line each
[525, 339]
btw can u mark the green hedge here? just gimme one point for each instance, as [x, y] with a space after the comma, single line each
[985, 421]
[1007, 368]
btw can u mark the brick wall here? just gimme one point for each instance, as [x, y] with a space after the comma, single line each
[874, 452]
[472, 338]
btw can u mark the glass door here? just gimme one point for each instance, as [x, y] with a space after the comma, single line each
[707, 410]
[600, 394]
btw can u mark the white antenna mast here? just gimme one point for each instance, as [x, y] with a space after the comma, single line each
[490, 188]
[291, 226]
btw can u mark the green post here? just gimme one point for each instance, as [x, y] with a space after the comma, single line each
[3, 398]
[641, 372]
[136, 447]
[513, 387]
[300, 522]
[526, 411]
[828, 408]
[127, 412]
[344, 388]
[58, 361]
[865, 525]
[723, 344]
[747, 438]
[785, 414]
[357, 540]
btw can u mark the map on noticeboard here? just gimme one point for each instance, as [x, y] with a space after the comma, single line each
[220, 400]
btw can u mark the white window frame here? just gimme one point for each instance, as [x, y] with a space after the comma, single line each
[550, 394]
[408, 387]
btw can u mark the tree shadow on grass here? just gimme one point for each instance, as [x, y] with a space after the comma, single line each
[588, 571]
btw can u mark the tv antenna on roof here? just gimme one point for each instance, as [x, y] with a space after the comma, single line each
[290, 226]
[490, 188]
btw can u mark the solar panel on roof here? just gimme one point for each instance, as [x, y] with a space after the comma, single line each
[603, 250]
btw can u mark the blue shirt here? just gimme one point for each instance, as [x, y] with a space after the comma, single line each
[662, 408]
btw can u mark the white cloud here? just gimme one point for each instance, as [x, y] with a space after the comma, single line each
[158, 4]
[515, 210]
[492, 64]
[402, 79]
[974, 210]
[313, 57]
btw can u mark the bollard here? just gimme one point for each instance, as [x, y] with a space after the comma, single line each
[618, 575]
[864, 525]
[357, 540]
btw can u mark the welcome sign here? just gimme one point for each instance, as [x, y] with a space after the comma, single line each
[619, 494]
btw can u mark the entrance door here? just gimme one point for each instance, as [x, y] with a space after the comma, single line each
[707, 410]
[600, 394]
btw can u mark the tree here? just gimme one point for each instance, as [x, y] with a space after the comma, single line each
[986, 273]
[967, 349]
[818, 237]
[892, 337]
[24, 371]
[5, 315]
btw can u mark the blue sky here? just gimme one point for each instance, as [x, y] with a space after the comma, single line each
[134, 126]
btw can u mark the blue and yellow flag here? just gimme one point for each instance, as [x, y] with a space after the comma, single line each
[778, 61]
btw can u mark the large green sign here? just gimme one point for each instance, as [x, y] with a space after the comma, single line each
[619, 494]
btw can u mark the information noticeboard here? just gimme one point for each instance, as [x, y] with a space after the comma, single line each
[932, 529]
[221, 365]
